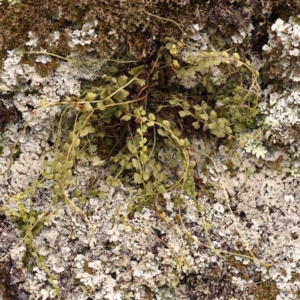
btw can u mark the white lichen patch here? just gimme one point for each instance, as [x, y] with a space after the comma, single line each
[239, 36]
[282, 114]
[84, 36]
[97, 249]
[32, 89]
[283, 44]
[282, 109]
[125, 258]
[266, 213]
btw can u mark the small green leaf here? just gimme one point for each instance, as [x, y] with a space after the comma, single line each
[218, 133]
[137, 113]
[126, 117]
[131, 147]
[146, 174]
[71, 154]
[192, 59]
[150, 123]
[158, 167]
[239, 127]
[161, 189]
[101, 106]
[138, 178]
[206, 226]
[151, 117]
[139, 81]
[238, 63]
[57, 189]
[228, 130]
[67, 174]
[149, 187]
[159, 108]
[128, 166]
[32, 219]
[196, 125]
[87, 107]
[96, 161]
[102, 195]
[190, 239]
[166, 123]
[184, 113]
[34, 254]
[136, 71]
[162, 132]
[66, 147]
[82, 199]
[122, 80]
[81, 156]
[197, 107]
[59, 167]
[47, 175]
[86, 130]
[174, 103]
[242, 143]
[121, 95]
[143, 157]
[143, 142]
[163, 177]
[135, 163]
[236, 56]
[221, 122]
[213, 115]
[118, 113]
[68, 164]
[58, 177]
[212, 126]
[90, 96]
[76, 142]
[174, 50]
[169, 45]
[204, 117]
[93, 148]
[142, 130]
[116, 183]
[77, 192]
[190, 71]
[217, 61]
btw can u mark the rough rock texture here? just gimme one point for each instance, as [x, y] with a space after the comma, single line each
[152, 254]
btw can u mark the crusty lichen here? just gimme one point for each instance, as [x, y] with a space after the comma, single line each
[147, 255]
